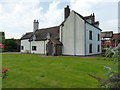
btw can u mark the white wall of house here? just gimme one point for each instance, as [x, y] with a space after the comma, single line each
[79, 36]
[26, 45]
[40, 47]
[94, 41]
[67, 36]
[72, 35]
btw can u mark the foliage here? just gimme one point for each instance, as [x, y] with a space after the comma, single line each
[11, 45]
[2, 36]
[35, 71]
[113, 80]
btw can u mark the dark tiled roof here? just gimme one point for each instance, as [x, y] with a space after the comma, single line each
[55, 41]
[27, 35]
[41, 34]
[87, 17]
[116, 36]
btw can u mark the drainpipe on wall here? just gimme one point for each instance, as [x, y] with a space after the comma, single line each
[85, 38]
[44, 47]
[74, 34]
[30, 46]
[62, 37]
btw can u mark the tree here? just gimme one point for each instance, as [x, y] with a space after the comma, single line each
[11, 45]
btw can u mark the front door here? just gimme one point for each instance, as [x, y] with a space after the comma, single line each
[50, 48]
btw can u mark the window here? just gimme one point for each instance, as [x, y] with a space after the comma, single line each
[98, 37]
[22, 47]
[34, 48]
[90, 35]
[98, 48]
[90, 48]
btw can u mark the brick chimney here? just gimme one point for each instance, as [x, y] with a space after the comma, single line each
[35, 25]
[66, 12]
[93, 18]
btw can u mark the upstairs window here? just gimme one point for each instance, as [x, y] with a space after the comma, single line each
[90, 35]
[22, 47]
[34, 48]
[98, 37]
[90, 48]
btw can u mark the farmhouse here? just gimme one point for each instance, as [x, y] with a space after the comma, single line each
[76, 35]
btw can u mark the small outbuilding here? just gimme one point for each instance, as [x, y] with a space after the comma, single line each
[54, 47]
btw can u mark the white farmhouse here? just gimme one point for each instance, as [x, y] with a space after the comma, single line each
[76, 35]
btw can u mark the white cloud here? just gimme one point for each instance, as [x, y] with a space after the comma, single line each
[17, 16]
[53, 15]
[110, 25]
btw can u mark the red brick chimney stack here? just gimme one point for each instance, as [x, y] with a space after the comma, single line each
[93, 18]
[66, 12]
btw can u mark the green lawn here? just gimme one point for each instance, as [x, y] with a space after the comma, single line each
[33, 71]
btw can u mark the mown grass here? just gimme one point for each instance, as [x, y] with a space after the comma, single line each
[33, 71]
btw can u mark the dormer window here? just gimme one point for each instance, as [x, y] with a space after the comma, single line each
[34, 37]
[48, 35]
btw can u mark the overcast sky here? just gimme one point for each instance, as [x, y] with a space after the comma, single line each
[17, 16]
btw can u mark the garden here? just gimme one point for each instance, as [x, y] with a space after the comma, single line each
[35, 71]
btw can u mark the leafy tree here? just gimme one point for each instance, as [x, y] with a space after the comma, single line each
[11, 45]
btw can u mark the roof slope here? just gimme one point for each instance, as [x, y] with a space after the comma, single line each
[57, 42]
[27, 35]
[41, 34]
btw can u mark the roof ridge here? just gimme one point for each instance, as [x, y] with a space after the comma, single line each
[47, 28]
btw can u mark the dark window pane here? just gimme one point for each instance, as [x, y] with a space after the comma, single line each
[34, 48]
[90, 35]
[98, 48]
[90, 48]
[98, 37]
[22, 47]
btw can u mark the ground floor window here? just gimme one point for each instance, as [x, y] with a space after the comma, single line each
[22, 47]
[98, 48]
[34, 48]
[90, 48]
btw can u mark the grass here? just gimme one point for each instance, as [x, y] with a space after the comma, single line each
[33, 71]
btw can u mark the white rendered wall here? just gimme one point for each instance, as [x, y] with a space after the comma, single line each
[26, 44]
[72, 35]
[94, 40]
[80, 36]
[40, 47]
[68, 35]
